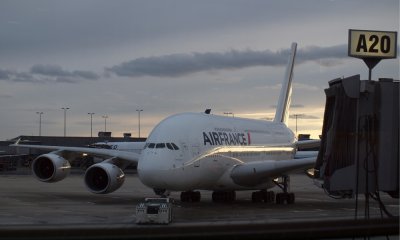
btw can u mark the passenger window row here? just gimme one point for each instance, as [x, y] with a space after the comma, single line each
[171, 146]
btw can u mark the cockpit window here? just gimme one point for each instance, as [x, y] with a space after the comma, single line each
[160, 145]
[174, 146]
[169, 146]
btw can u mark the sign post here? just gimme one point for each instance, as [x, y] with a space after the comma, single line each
[372, 46]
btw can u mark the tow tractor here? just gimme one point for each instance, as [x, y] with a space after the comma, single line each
[154, 211]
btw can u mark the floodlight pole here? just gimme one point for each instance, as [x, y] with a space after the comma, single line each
[40, 123]
[65, 120]
[91, 124]
[139, 110]
[105, 122]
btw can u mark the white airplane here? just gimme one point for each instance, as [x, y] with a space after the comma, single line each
[199, 151]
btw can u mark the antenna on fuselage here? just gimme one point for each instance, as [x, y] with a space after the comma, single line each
[282, 109]
[207, 111]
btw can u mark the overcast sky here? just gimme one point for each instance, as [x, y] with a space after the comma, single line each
[171, 56]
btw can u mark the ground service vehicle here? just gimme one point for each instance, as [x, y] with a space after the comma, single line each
[154, 211]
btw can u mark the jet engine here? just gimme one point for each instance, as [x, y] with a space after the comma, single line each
[104, 178]
[50, 167]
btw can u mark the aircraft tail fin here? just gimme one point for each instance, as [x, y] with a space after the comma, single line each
[282, 109]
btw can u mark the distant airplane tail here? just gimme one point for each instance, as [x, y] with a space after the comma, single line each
[282, 109]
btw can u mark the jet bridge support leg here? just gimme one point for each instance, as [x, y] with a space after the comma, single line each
[287, 197]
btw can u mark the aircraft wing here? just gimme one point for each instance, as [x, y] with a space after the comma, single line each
[99, 152]
[254, 173]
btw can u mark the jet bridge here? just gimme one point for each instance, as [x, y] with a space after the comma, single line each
[359, 150]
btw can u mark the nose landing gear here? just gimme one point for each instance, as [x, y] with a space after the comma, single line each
[161, 192]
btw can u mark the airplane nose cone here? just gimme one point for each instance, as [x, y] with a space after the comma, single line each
[147, 176]
[151, 173]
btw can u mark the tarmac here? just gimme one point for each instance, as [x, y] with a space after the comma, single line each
[30, 208]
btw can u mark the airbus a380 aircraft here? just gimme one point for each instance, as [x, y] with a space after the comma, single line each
[198, 151]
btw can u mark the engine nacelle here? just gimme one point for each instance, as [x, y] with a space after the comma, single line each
[104, 178]
[50, 167]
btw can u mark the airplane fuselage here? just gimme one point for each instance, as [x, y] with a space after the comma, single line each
[192, 151]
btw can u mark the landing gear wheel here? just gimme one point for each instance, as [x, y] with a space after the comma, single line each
[280, 198]
[286, 196]
[196, 197]
[270, 197]
[190, 196]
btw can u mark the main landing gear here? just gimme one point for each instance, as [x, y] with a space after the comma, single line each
[263, 195]
[280, 198]
[287, 197]
[259, 196]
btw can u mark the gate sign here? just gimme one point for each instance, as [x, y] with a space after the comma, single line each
[372, 44]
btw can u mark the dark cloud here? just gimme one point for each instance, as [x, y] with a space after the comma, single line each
[85, 74]
[25, 77]
[5, 74]
[49, 70]
[57, 71]
[175, 65]
[314, 53]
[47, 73]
